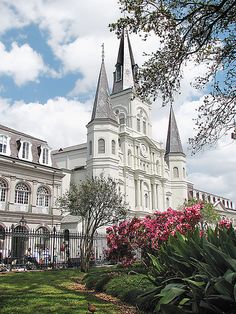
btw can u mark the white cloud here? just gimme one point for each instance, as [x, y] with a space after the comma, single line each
[59, 121]
[21, 62]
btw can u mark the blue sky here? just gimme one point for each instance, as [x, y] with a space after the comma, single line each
[46, 86]
[50, 55]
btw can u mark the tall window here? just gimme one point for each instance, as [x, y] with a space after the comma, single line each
[184, 172]
[144, 127]
[122, 119]
[118, 73]
[129, 158]
[176, 172]
[101, 146]
[3, 191]
[3, 144]
[25, 150]
[45, 156]
[146, 200]
[167, 202]
[43, 197]
[90, 148]
[22, 194]
[113, 147]
[138, 125]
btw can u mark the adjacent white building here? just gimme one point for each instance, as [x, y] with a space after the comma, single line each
[30, 183]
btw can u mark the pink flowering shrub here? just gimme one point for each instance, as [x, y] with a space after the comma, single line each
[224, 223]
[149, 233]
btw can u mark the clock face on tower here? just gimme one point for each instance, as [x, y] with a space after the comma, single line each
[143, 150]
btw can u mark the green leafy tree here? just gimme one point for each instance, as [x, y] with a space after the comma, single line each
[208, 212]
[98, 202]
[197, 31]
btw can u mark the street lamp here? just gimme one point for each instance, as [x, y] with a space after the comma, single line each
[22, 221]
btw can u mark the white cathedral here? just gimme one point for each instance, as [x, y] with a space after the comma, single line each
[119, 144]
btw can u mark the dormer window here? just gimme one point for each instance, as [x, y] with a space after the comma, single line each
[25, 150]
[45, 156]
[3, 144]
[118, 72]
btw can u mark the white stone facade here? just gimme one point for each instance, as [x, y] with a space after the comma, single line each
[29, 185]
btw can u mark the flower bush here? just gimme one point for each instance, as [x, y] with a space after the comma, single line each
[147, 234]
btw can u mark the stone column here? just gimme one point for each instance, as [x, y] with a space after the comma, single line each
[154, 197]
[138, 193]
[12, 190]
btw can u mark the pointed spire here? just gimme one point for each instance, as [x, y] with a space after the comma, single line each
[125, 65]
[102, 104]
[173, 143]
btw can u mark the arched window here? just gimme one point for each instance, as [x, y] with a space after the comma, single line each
[90, 148]
[22, 193]
[176, 172]
[3, 144]
[43, 239]
[113, 147]
[184, 173]
[43, 197]
[45, 156]
[101, 146]
[3, 191]
[25, 150]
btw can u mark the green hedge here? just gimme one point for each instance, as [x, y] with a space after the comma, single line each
[127, 285]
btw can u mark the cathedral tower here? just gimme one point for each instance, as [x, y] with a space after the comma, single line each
[176, 160]
[102, 133]
[133, 113]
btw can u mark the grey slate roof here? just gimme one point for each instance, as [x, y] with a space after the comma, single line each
[118, 86]
[16, 136]
[102, 104]
[120, 58]
[173, 143]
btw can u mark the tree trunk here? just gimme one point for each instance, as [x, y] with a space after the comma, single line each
[85, 252]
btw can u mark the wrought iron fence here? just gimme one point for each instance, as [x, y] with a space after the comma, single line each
[32, 249]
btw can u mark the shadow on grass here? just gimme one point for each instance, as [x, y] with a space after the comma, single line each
[46, 292]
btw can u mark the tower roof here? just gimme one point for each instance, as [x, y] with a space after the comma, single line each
[173, 143]
[102, 104]
[125, 65]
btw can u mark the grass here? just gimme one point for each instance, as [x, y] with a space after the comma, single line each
[47, 292]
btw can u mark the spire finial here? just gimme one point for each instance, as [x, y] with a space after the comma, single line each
[103, 53]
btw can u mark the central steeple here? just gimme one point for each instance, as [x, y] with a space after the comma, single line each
[124, 75]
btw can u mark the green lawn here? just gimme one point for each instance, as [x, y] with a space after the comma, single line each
[46, 292]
